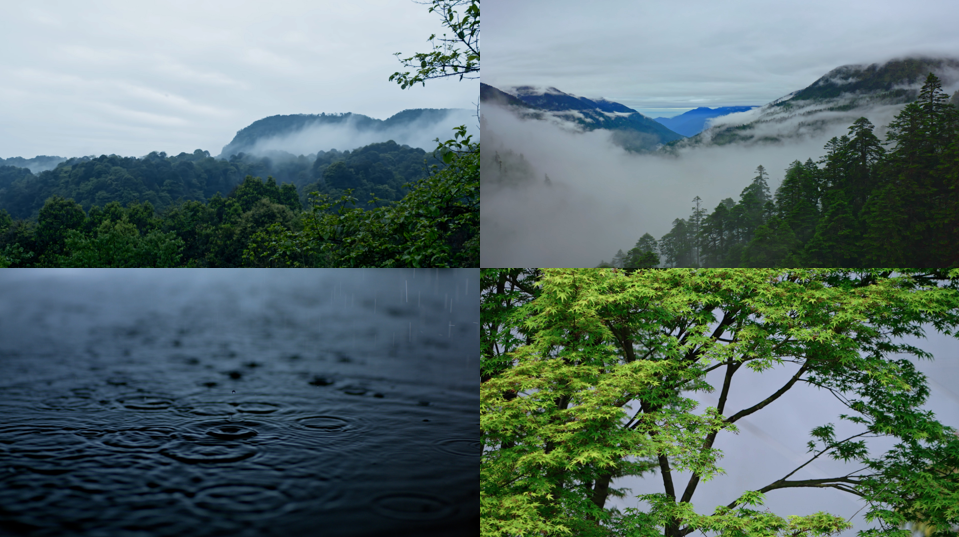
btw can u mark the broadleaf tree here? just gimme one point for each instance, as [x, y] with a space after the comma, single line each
[454, 54]
[586, 375]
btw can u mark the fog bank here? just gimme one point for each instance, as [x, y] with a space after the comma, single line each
[602, 198]
[347, 135]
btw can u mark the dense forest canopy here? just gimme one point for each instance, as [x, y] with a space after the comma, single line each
[164, 210]
[377, 169]
[865, 203]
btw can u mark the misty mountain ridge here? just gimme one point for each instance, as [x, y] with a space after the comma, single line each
[37, 164]
[830, 104]
[630, 129]
[303, 134]
[694, 121]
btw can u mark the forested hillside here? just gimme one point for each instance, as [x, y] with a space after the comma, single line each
[378, 170]
[865, 203]
[380, 205]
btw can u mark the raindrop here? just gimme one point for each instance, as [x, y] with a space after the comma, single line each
[320, 381]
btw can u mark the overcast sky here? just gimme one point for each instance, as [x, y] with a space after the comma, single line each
[107, 76]
[666, 57]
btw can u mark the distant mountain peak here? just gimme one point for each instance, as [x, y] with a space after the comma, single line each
[694, 121]
[631, 130]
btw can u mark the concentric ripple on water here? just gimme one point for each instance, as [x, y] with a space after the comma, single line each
[325, 423]
[257, 408]
[239, 404]
[243, 500]
[231, 431]
[145, 402]
[460, 446]
[207, 451]
[137, 438]
[412, 506]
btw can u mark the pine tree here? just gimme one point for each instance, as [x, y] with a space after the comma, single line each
[797, 200]
[677, 245]
[865, 152]
[910, 216]
[643, 255]
[837, 239]
[718, 234]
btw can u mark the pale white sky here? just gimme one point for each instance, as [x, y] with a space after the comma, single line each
[108, 76]
[665, 57]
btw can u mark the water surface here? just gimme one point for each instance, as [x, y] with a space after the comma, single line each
[264, 402]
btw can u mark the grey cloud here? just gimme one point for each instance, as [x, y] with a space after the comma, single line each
[679, 55]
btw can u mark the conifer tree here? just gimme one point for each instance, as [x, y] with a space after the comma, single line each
[909, 215]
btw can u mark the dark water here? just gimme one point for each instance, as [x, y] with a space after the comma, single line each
[337, 402]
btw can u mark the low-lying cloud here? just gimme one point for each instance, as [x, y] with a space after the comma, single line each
[601, 198]
[348, 135]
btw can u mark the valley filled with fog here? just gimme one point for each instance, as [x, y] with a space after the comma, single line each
[601, 197]
[562, 192]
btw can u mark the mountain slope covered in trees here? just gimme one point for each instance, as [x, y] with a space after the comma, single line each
[378, 170]
[36, 164]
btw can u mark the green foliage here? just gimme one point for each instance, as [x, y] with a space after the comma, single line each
[584, 373]
[435, 225]
[643, 255]
[455, 54]
[119, 244]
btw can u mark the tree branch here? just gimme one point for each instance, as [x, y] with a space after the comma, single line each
[759, 406]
